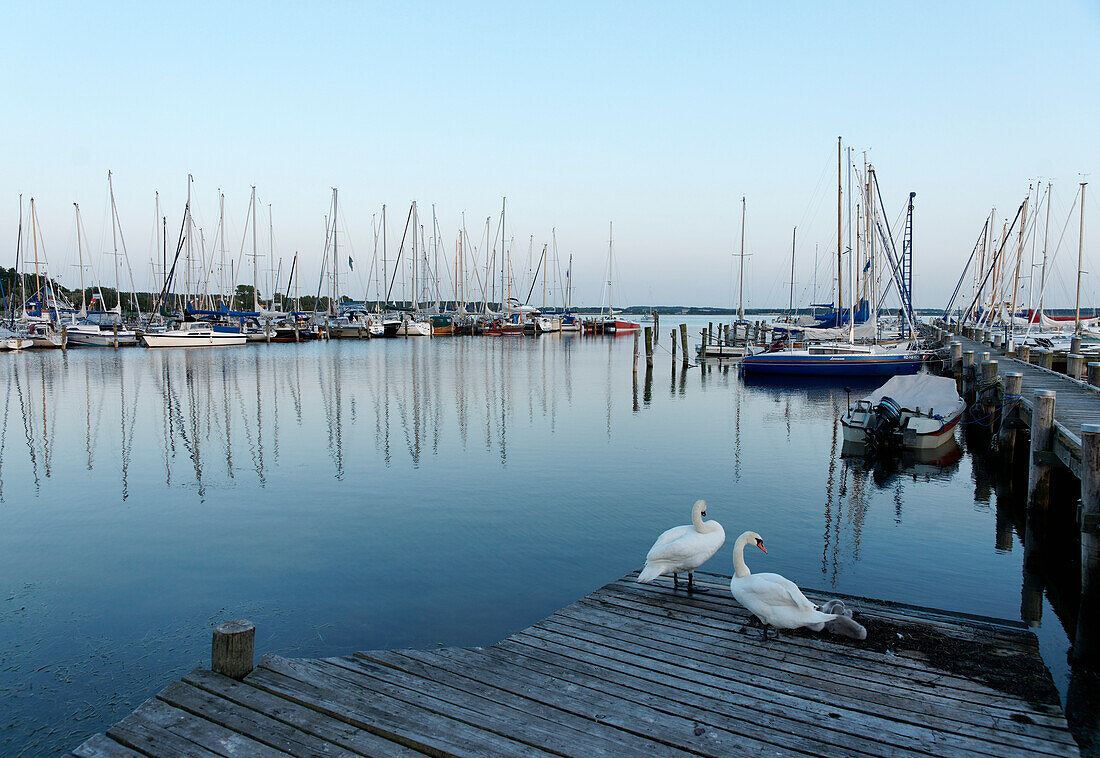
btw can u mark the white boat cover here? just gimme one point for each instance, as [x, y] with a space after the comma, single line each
[922, 391]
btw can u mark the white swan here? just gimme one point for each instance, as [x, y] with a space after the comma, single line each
[684, 548]
[778, 602]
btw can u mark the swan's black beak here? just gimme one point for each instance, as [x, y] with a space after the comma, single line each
[704, 514]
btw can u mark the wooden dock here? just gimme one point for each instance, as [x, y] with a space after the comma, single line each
[1077, 402]
[633, 670]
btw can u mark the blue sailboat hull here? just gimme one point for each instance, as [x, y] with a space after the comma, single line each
[833, 365]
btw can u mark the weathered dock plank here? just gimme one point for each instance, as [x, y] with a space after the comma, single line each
[633, 670]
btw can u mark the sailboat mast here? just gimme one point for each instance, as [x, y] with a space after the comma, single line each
[335, 259]
[271, 253]
[114, 241]
[1046, 234]
[1019, 257]
[384, 279]
[741, 284]
[839, 248]
[80, 257]
[504, 258]
[255, 276]
[1080, 253]
[790, 307]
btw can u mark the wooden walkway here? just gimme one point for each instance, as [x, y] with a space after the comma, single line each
[1076, 403]
[633, 670]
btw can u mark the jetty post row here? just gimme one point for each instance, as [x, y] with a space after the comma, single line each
[1016, 389]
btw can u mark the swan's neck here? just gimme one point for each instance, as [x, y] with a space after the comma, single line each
[739, 568]
[697, 521]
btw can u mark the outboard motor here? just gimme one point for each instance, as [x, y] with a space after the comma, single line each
[885, 431]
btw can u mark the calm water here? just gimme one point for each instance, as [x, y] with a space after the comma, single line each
[414, 493]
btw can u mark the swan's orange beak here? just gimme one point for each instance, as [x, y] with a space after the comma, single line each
[760, 544]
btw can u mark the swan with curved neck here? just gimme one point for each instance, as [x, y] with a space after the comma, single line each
[778, 602]
[684, 548]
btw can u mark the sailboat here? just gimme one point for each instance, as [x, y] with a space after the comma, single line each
[611, 321]
[103, 328]
[727, 349]
[848, 358]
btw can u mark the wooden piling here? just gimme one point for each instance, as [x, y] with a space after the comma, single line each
[1042, 437]
[1075, 344]
[988, 393]
[648, 346]
[1046, 359]
[1014, 382]
[956, 356]
[114, 330]
[233, 648]
[1094, 374]
[635, 351]
[1074, 364]
[1086, 645]
[684, 342]
[672, 339]
[1024, 353]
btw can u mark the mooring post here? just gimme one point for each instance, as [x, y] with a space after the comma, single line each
[1042, 439]
[635, 351]
[710, 333]
[967, 374]
[648, 346]
[1014, 383]
[1086, 645]
[988, 392]
[1046, 359]
[1074, 362]
[1024, 353]
[232, 648]
[1094, 374]
[672, 339]
[956, 356]
[115, 337]
[684, 342]
[1075, 344]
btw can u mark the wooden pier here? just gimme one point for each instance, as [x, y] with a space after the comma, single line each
[1077, 402]
[633, 670]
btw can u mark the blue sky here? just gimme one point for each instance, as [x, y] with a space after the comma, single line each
[657, 117]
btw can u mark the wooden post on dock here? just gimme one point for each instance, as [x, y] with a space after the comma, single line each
[672, 339]
[1014, 382]
[648, 347]
[233, 648]
[1024, 353]
[115, 337]
[1094, 374]
[684, 342]
[710, 333]
[987, 393]
[635, 351]
[1046, 359]
[967, 374]
[1086, 645]
[956, 356]
[64, 337]
[1042, 437]
[1075, 344]
[1074, 362]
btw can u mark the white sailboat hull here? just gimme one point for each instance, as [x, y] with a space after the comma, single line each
[192, 338]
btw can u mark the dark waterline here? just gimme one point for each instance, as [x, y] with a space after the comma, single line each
[414, 493]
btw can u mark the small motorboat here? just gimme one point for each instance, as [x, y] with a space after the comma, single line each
[917, 412]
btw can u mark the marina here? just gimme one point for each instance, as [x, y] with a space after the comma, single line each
[540, 380]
